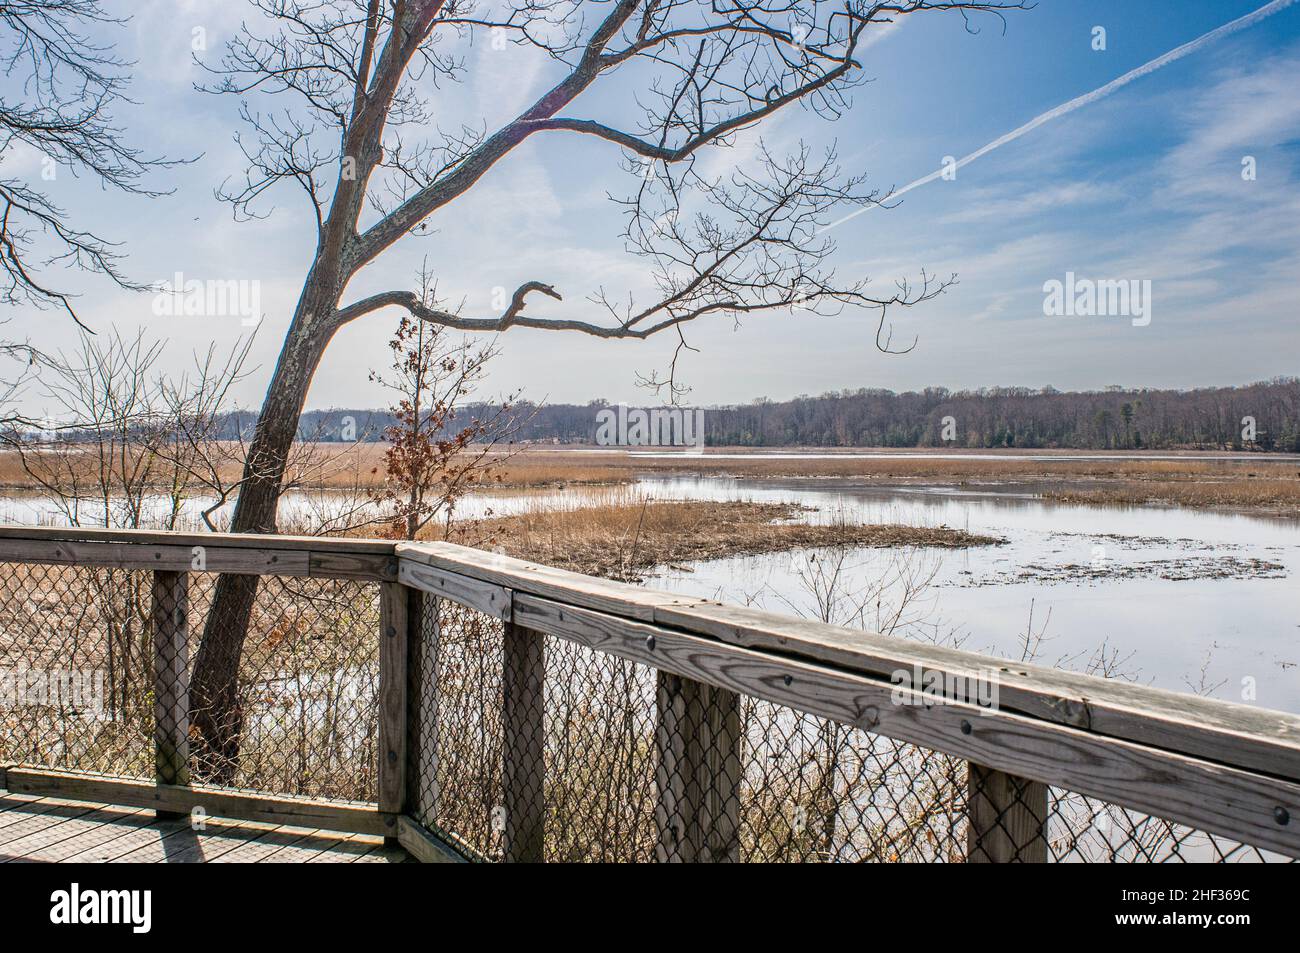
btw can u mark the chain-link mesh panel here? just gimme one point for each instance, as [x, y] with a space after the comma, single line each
[623, 763]
[816, 790]
[82, 649]
[306, 700]
[455, 714]
[76, 669]
[522, 746]
[1084, 829]
[649, 766]
[635, 765]
[600, 756]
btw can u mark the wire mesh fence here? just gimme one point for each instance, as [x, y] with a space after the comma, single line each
[595, 758]
[520, 745]
[77, 658]
[307, 690]
[456, 740]
[81, 650]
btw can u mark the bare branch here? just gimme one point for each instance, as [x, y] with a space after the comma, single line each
[60, 104]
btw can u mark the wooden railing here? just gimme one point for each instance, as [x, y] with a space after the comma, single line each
[1226, 770]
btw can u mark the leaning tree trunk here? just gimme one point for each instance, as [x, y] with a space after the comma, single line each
[216, 711]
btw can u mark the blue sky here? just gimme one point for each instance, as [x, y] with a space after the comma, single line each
[1145, 184]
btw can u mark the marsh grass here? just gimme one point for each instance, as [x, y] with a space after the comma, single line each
[624, 534]
[1269, 482]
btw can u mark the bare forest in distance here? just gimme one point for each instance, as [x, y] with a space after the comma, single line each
[1218, 418]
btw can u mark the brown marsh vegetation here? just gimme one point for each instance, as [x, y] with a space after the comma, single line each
[1271, 483]
[620, 536]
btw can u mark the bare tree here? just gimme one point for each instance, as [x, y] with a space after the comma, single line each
[356, 72]
[125, 445]
[60, 106]
[20, 363]
[203, 440]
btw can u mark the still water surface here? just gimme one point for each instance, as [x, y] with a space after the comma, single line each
[1175, 597]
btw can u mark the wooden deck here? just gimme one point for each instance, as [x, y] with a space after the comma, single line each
[54, 830]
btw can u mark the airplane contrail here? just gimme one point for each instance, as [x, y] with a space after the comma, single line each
[1241, 23]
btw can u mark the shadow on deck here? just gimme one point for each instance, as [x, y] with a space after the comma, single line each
[53, 830]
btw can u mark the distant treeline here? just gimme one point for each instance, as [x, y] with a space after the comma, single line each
[1262, 416]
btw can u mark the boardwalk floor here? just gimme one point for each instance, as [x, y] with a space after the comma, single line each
[51, 830]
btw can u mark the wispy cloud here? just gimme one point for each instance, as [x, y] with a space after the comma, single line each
[1001, 205]
[1101, 92]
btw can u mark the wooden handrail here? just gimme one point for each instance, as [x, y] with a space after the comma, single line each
[244, 554]
[1225, 768]
[1242, 736]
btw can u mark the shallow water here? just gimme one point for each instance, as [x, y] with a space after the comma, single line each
[1176, 597]
[1169, 591]
[1280, 459]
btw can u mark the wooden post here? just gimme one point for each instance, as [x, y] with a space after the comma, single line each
[523, 768]
[1007, 818]
[169, 613]
[698, 774]
[422, 705]
[723, 766]
[394, 628]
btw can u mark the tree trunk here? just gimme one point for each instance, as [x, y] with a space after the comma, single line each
[216, 710]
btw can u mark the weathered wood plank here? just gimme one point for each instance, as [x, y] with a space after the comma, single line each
[385, 855]
[523, 758]
[490, 599]
[424, 846]
[72, 831]
[1214, 797]
[394, 632]
[17, 806]
[422, 715]
[723, 764]
[127, 840]
[345, 850]
[43, 820]
[171, 706]
[676, 798]
[262, 541]
[189, 846]
[517, 574]
[93, 830]
[333, 564]
[308, 848]
[1006, 817]
[200, 557]
[1240, 735]
[227, 553]
[216, 802]
[697, 771]
[264, 847]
